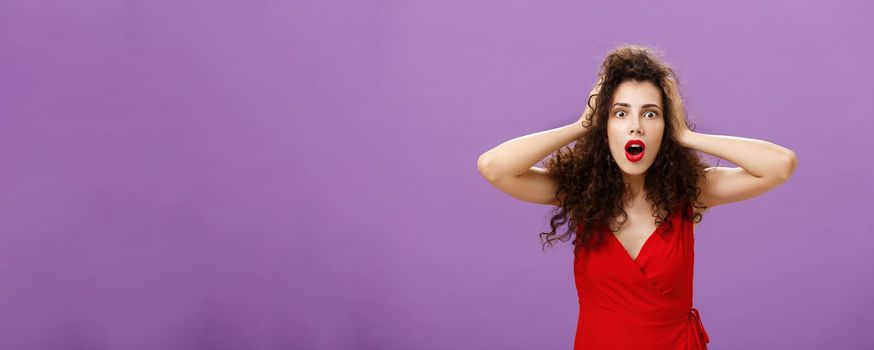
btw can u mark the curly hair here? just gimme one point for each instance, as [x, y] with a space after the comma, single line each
[592, 182]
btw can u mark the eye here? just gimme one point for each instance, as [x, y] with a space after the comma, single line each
[654, 114]
[617, 113]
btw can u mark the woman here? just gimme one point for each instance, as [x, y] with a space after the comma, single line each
[633, 188]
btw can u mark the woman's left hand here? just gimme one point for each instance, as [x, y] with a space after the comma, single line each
[678, 113]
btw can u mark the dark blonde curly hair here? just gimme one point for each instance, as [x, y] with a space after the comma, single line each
[592, 182]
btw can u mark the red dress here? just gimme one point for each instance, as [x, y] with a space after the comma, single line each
[644, 303]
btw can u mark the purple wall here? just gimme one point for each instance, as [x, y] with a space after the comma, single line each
[301, 175]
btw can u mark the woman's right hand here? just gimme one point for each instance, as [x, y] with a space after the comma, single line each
[594, 100]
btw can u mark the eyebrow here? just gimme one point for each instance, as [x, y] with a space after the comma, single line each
[644, 106]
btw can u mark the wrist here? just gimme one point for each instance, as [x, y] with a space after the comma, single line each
[685, 137]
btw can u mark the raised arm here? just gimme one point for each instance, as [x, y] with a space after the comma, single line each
[762, 165]
[510, 165]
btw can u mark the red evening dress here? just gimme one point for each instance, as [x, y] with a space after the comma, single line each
[643, 303]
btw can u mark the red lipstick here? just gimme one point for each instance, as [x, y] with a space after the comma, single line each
[634, 150]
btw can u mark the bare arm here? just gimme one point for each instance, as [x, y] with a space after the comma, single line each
[510, 166]
[516, 157]
[762, 165]
[761, 159]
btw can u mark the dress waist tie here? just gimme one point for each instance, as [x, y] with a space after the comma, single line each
[702, 333]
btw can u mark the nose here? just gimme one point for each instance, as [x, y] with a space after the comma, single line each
[635, 128]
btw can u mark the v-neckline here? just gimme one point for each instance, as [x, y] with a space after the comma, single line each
[639, 252]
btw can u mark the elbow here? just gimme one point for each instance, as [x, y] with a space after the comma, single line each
[790, 163]
[483, 164]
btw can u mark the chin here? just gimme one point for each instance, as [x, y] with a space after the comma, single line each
[636, 171]
[630, 168]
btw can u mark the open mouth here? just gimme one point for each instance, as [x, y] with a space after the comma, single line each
[634, 150]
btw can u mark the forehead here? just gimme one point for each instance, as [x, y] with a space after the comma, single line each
[637, 93]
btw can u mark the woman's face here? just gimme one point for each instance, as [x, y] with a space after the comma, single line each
[636, 113]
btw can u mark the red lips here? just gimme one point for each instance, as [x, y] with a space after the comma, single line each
[634, 154]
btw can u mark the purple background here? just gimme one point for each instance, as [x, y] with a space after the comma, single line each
[301, 175]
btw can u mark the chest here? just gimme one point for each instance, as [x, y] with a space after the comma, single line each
[636, 231]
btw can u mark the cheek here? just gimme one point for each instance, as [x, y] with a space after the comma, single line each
[615, 142]
[660, 127]
[614, 134]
